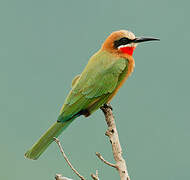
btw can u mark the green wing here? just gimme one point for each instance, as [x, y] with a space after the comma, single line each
[74, 81]
[99, 78]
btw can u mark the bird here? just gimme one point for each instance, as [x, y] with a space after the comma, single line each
[103, 76]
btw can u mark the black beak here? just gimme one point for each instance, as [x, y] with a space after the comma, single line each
[143, 39]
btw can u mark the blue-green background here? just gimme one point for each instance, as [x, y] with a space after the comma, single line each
[45, 43]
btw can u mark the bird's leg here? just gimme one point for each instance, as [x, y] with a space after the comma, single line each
[108, 106]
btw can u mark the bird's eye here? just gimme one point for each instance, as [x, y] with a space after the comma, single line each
[122, 41]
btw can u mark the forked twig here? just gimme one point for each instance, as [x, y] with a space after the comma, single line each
[95, 176]
[103, 160]
[114, 139]
[116, 149]
[67, 160]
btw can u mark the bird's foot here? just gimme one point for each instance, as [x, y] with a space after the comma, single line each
[108, 106]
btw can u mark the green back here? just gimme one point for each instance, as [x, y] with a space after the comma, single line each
[99, 79]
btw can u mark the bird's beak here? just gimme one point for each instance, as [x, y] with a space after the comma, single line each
[143, 39]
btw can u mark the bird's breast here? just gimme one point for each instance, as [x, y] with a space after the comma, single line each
[126, 73]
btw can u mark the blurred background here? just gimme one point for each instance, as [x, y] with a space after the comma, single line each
[45, 43]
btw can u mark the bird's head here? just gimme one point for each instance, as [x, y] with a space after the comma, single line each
[123, 42]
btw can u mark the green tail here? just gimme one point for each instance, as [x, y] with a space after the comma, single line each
[47, 138]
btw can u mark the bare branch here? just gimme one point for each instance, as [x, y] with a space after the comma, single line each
[95, 177]
[114, 140]
[60, 177]
[67, 160]
[116, 149]
[103, 160]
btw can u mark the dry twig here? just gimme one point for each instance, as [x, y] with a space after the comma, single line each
[103, 160]
[67, 160]
[60, 177]
[116, 147]
[95, 177]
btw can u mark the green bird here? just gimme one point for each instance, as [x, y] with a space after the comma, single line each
[100, 80]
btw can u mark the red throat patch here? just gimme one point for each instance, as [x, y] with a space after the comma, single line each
[127, 50]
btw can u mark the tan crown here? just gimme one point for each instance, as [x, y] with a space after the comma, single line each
[114, 36]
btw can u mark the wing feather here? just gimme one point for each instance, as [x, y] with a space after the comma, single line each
[99, 77]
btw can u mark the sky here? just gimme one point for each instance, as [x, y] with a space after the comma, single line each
[44, 44]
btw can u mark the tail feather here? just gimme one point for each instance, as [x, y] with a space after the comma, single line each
[47, 138]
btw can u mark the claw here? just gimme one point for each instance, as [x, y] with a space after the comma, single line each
[108, 106]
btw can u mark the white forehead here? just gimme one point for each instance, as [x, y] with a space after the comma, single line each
[128, 34]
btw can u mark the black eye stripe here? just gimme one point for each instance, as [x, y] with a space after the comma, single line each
[122, 41]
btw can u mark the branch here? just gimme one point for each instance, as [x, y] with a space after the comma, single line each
[95, 177]
[67, 160]
[114, 140]
[60, 177]
[116, 149]
[104, 161]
